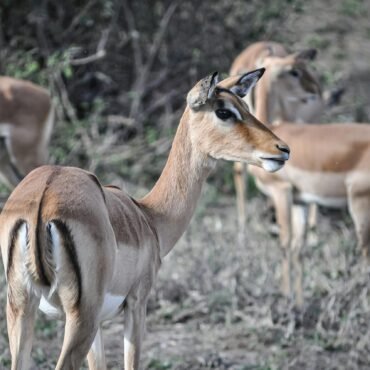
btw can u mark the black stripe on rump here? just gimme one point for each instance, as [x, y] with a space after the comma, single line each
[70, 248]
[13, 237]
[39, 258]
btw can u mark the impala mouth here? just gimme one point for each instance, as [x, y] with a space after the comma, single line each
[272, 164]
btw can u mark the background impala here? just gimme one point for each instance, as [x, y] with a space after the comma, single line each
[26, 122]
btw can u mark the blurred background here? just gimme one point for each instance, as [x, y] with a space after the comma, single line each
[118, 72]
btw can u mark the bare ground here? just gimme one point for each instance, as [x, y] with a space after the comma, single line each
[217, 305]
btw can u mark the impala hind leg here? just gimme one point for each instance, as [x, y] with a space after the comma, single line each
[300, 215]
[81, 328]
[21, 313]
[81, 288]
[22, 300]
[359, 208]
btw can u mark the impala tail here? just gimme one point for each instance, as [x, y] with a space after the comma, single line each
[46, 253]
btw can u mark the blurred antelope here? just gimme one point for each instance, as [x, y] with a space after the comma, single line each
[85, 252]
[329, 166]
[288, 92]
[26, 121]
[328, 163]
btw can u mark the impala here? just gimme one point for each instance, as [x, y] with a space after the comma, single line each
[288, 92]
[26, 121]
[328, 162]
[86, 252]
[329, 166]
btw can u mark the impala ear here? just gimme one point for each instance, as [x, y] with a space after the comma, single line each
[202, 91]
[247, 82]
[307, 54]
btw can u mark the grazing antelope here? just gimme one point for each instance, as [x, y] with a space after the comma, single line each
[26, 122]
[85, 252]
[329, 166]
[288, 92]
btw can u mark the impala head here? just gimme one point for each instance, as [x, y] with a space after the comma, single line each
[297, 89]
[222, 127]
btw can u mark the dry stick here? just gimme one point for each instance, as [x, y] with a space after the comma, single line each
[77, 18]
[63, 94]
[140, 83]
[100, 51]
[134, 35]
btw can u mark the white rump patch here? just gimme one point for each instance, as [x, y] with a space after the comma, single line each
[56, 251]
[22, 237]
[24, 248]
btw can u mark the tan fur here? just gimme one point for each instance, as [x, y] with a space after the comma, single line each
[26, 119]
[110, 244]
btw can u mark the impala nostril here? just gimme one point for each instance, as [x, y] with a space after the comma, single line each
[283, 148]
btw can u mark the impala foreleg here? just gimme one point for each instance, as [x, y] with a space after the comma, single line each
[282, 198]
[240, 180]
[134, 332]
[359, 207]
[299, 233]
[312, 215]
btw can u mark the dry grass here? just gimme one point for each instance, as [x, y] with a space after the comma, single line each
[217, 305]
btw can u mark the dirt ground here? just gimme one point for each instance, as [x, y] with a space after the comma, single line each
[216, 304]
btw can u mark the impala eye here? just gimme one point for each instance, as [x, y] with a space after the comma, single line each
[224, 114]
[294, 73]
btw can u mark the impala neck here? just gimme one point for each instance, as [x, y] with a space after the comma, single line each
[267, 106]
[171, 203]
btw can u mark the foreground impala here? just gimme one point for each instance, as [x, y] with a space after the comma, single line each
[288, 92]
[85, 252]
[26, 121]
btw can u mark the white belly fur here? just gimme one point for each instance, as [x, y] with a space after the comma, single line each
[330, 202]
[110, 306]
[109, 309]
